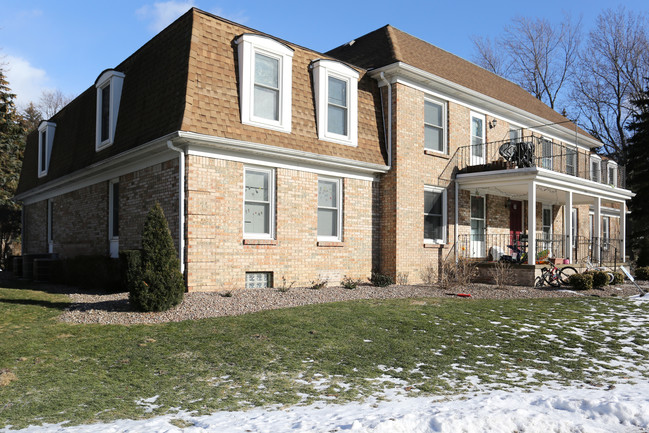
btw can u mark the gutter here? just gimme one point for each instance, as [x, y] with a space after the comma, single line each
[181, 204]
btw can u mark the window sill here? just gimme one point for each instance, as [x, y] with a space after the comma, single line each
[433, 245]
[330, 244]
[435, 153]
[260, 241]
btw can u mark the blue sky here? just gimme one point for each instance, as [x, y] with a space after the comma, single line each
[65, 45]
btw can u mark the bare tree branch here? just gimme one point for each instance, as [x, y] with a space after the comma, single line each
[51, 101]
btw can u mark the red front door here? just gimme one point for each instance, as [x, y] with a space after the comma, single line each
[515, 220]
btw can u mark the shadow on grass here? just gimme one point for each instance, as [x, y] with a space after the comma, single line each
[37, 302]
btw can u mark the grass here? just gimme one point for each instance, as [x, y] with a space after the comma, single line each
[331, 352]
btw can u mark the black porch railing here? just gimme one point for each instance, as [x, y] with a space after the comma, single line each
[492, 246]
[531, 151]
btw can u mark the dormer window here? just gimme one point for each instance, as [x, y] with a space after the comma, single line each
[336, 96]
[45, 140]
[265, 74]
[595, 168]
[611, 171]
[109, 93]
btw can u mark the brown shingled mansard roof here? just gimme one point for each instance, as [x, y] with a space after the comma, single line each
[388, 45]
[186, 79]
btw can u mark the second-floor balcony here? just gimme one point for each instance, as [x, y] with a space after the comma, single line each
[532, 151]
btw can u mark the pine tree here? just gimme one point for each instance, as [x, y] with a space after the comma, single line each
[160, 285]
[12, 147]
[638, 178]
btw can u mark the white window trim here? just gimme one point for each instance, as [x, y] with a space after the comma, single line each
[481, 159]
[549, 158]
[248, 46]
[339, 203]
[598, 159]
[575, 156]
[271, 204]
[444, 150]
[48, 128]
[444, 215]
[111, 235]
[543, 209]
[116, 80]
[322, 70]
[611, 165]
[50, 230]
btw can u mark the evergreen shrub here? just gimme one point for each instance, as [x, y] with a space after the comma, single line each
[160, 284]
[380, 280]
[642, 273]
[581, 281]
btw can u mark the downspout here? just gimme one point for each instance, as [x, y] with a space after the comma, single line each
[181, 205]
[389, 137]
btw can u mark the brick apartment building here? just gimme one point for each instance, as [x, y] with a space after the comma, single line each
[273, 161]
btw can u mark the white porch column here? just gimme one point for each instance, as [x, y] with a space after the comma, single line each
[531, 223]
[568, 225]
[623, 229]
[597, 228]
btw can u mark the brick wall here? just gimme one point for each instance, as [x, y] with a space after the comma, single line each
[35, 230]
[217, 256]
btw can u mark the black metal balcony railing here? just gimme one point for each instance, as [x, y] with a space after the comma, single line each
[492, 246]
[534, 151]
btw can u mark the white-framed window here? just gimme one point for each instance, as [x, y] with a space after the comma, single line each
[259, 203]
[50, 226]
[546, 227]
[595, 168]
[434, 215]
[606, 232]
[515, 134]
[571, 161]
[434, 126]
[611, 173]
[109, 94]
[336, 96]
[330, 209]
[45, 140]
[113, 217]
[546, 153]
[265, 74]
[477, 139]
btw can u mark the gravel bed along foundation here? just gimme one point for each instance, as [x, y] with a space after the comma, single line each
[113, 308]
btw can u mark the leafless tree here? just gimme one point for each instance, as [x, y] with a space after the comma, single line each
[51, 101]
[610, 75]
[534, 53]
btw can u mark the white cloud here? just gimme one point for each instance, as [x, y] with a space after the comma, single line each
[161, 14]
[25, 80]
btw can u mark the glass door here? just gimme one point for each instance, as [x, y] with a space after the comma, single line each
[478, 227]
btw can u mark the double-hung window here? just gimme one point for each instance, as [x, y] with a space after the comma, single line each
[258, 207]
[434, 121]
[45, 140]
[109, 94]
[606, 232]
[611, 170]
[595, 168]
[571, 161]
[336, 96]
[546, 153]
[329, 209]
[265, 71]
[434, 215]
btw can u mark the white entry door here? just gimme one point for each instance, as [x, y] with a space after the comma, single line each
[478, 227]
[477, 139]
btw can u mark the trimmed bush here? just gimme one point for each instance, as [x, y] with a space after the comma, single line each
[600, 279]
[619, 278]
[380, 280]
[159, 284]
[130, 267]
[88, 272]
[581, 281]
[642, 273]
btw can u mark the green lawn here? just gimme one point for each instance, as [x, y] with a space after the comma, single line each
[329, 352]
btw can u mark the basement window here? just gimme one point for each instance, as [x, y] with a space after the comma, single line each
[259, 280]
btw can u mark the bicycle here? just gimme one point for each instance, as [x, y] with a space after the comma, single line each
[554, 276]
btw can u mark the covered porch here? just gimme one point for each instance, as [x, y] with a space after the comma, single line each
[538, 210]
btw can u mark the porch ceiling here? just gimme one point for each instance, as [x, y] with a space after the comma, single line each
[550, 186]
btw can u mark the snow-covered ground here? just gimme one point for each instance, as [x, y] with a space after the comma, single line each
[623, 407]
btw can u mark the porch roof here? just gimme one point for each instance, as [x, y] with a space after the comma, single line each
[551, 186]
